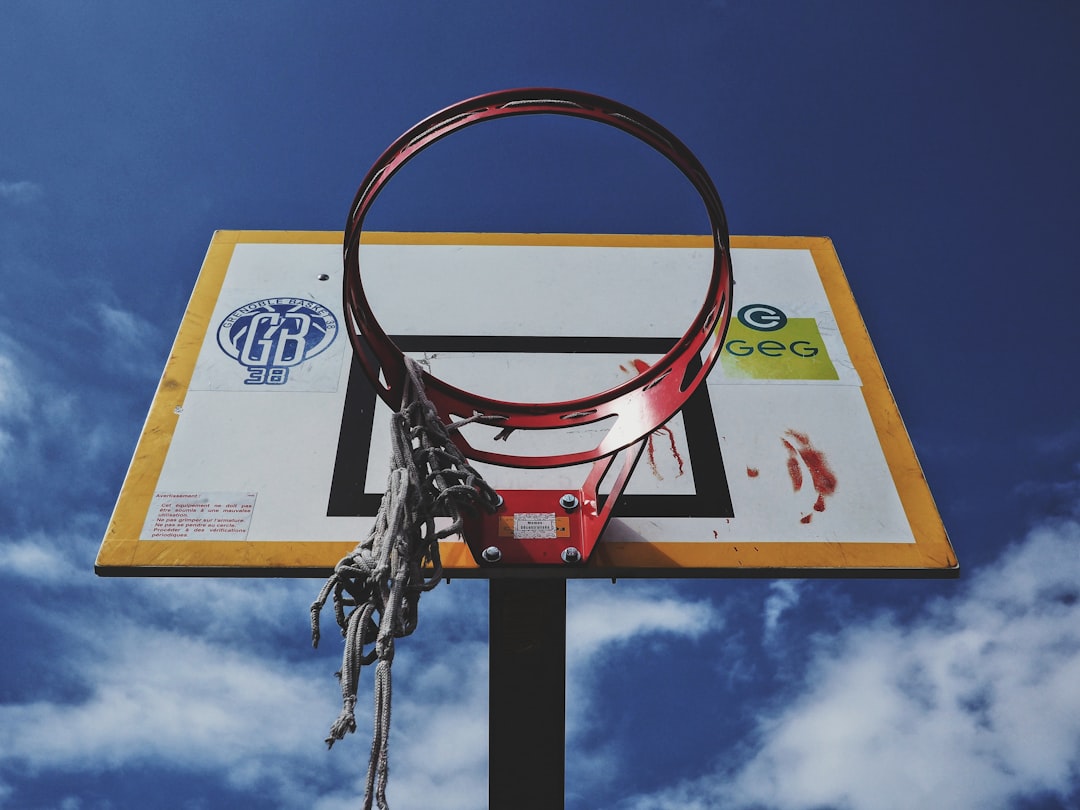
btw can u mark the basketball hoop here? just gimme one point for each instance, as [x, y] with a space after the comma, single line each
[636, 407]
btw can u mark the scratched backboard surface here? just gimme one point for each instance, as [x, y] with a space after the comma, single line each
[265, 450]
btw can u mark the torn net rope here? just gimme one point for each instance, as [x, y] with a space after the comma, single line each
[398, 560]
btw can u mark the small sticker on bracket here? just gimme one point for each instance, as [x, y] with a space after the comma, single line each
[534, 526]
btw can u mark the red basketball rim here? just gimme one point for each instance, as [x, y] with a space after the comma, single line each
[639, 405]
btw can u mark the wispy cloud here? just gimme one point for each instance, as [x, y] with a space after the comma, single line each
[783, 595]
[124, 326]
[13, 394]
[599, 620]
[616, 625]
[14, 399]
[20, 192]
[38, 558]
[48, 423]
[130, 343]
[972, 705]
[439, 747]
[214, 678]
[222, 710]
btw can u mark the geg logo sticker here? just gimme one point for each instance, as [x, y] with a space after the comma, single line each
[790, 349]
[762, 318]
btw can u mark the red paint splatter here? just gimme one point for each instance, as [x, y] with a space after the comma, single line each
[752, 472]
[651, 451]
[803, 454]
[674, 449]
[716, 534]
[793, 468]
[823, 477]
[640, 367]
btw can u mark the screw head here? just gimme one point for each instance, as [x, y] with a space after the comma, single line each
[568, 501]
[491, 554]
[571, 555]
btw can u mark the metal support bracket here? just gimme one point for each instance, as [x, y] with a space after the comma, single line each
[557, 527]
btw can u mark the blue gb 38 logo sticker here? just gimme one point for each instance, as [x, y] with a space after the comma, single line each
[271, 336]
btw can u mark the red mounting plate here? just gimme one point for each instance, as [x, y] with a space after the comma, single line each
[533, 526]
[547, 526]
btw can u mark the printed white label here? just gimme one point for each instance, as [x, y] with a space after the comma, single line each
[199, 516]
[534, 526]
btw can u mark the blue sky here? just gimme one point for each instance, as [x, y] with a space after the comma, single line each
[934, 143]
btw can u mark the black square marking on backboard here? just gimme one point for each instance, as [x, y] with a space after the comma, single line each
[711, 498]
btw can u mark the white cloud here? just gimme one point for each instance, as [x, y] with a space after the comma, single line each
[602, 621]
[129, 341]
[155, 694]
[124, 326]
[599, 618]
[13, 396]
[36, 558]
[783, 595]
[16, 406]
[973, 702]
[439, 743]
[221, 609]
[20, 192]
[972, 705]
[186, 675]
[14, 399]
[439, 735]
[47, 424]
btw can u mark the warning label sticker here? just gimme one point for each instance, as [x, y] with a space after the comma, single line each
[199, 516]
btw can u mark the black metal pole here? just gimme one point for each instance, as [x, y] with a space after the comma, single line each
[527, 694]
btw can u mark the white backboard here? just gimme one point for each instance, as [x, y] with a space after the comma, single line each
[265, 449]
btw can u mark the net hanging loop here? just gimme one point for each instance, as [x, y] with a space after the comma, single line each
[376, 588]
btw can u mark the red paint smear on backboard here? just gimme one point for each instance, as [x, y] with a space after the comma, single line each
[752, 472]
[674, 449]
[651, 452]
[793, 468]
[639, 367]
[821, 475]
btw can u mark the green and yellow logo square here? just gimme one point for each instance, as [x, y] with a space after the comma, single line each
[762, 343]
